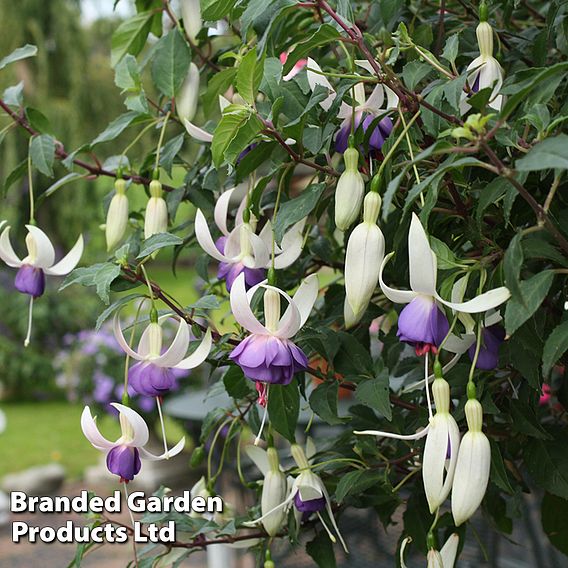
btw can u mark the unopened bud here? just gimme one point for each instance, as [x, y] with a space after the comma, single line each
[156, 216]
[191, 14]
[186, 101]
[117, 216]
[349, 191]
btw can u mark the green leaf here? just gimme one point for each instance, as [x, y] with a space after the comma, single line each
[249, 75]
[555, 346]
[414, 72]
[554, 514]
[498, 471]
[156, 242]
[130, 36]
[116, 127]
[324, 35]
[533, 292]
[104, 278]
[521, 84]
[42, 153]
[207, 302]
[525, 420]
[353, 358]
[18, 54]
[284, 409]
[451, 49]
[234, 132]
[323, 401]
[115, 306]
[169, 151]
[547, 464]
[170, 63]
[59, 183]
[236, 384]
[216, 9]
[356, 482]
[17, 173]
[127, 75]
[512, 266]
[551, 153]
[296, 209]
[375, 393]
[321, 550]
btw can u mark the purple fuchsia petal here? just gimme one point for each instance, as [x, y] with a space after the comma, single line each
[30, 280]
[488, 358]
[310, 506]
[422, 321]
[254, 276]
[150, 380]
[342, 135]
[124, 461]
[269, 359]
[248, 149]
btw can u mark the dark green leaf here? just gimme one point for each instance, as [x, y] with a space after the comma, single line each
[356, 482]
[551, 153]
[170, 63]
[375, 394]
[296, 209]
[555, 346]
[323, 401]
[236, 384]
[533, 292]
[156, 242]
[321, 550]
[116, 127]
[42, 153]
[284, 409]
[554, 515]
[130, 36]
[216, 9]
[547, 464]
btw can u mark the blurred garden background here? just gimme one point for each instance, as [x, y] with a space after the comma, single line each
[72, 82]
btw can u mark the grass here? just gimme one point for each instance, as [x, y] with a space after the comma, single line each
[38, 433]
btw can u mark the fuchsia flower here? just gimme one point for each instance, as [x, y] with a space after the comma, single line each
[268, 355]
[123, 455]
[365, 112]
[422, 322]
[241, 250]
[40, 261]
[154, 373]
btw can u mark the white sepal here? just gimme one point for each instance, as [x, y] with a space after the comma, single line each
[156, 220]
[472, 470]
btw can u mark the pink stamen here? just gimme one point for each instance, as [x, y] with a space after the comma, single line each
[262, 391]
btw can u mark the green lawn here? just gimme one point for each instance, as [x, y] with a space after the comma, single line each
[42, 432]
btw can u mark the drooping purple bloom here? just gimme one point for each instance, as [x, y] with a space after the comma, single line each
[422, 323]
[30, 280]
[269, 359]
[229, 271]
[491, 339]
[309, 506]
[380, 133]
[150, 380]
[124, 461]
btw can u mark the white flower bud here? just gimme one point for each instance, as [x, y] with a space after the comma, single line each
[117, 216]
[473, 465]
[186, 101]
[349, 191]
[191, 14]
[443, 438]
[364, 255]
[274, 492]
[156, 212]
